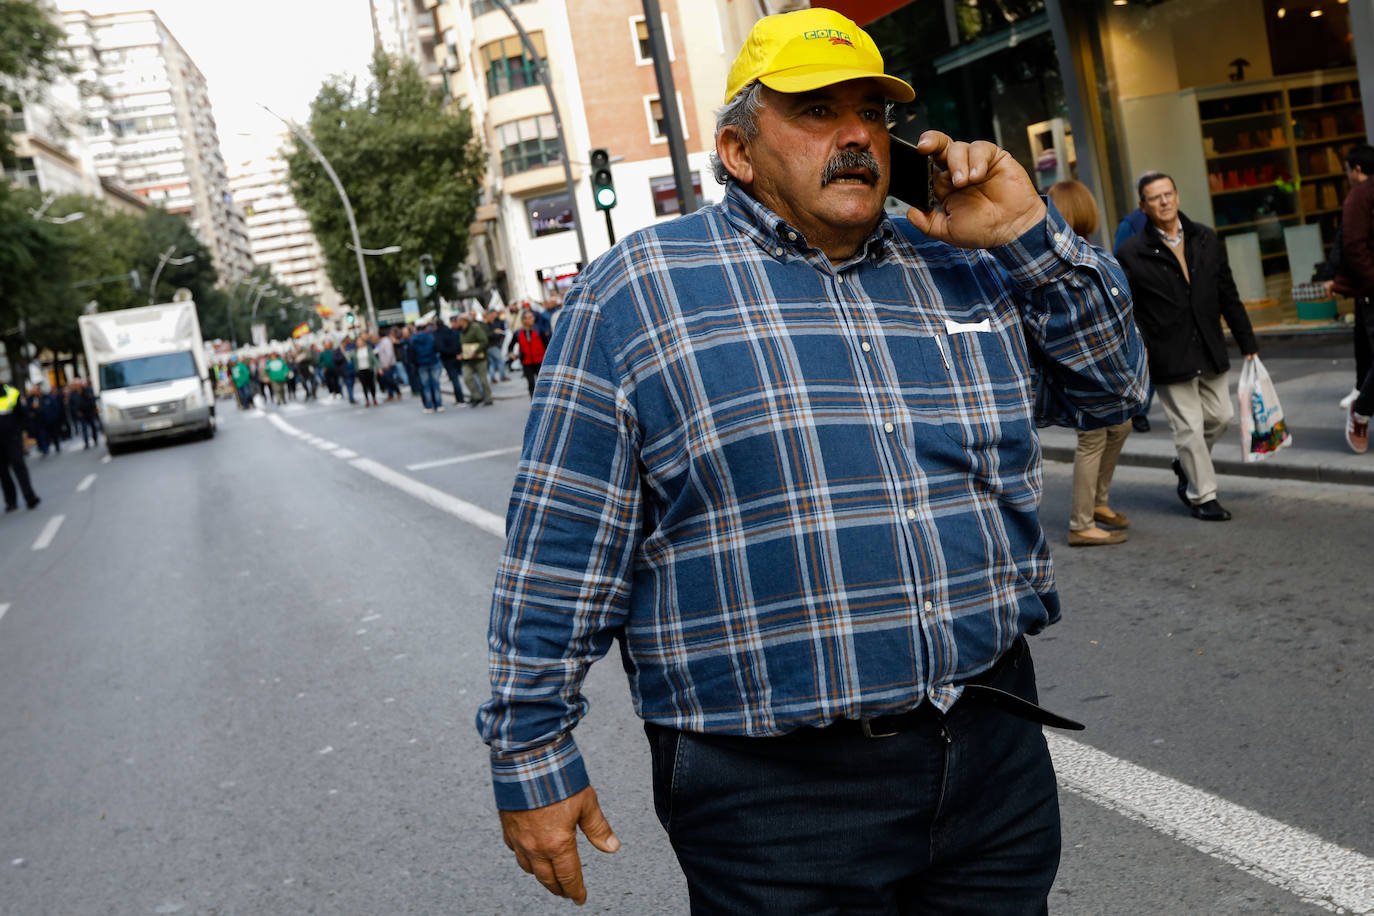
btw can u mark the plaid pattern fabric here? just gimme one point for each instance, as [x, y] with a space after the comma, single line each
[794, 491]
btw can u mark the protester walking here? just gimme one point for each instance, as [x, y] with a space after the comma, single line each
[426, 356]
[1355, 277]
[365, 360]
[14, 474]
[449, 340]
[474, 356]
[531, 344]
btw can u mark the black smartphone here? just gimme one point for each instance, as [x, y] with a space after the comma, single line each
[913, 175]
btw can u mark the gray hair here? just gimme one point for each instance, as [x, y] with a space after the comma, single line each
[742, 113]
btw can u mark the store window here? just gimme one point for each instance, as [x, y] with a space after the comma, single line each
[528, 144]
[550, 215]
[507, 66]
[664, 191]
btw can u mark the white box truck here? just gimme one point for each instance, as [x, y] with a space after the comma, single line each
[150, 372]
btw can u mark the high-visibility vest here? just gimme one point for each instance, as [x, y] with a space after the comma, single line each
[9, 400]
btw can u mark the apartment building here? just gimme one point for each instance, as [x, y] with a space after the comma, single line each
[405, 29]
[150, 128]
[279, 231]
[597, 56]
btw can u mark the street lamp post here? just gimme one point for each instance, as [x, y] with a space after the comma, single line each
[161, 263]
[357, 246]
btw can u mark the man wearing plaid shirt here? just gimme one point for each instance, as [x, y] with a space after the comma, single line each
[783, 449]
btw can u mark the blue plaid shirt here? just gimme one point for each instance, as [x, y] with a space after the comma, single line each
[794, 490]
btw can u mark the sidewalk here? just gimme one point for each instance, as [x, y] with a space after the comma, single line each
[1312, 373]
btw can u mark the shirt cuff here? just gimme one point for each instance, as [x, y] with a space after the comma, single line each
[533, 779]
[1043, 254]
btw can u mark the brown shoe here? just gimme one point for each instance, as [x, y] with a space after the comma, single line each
[1108, 517]
[1079, 539]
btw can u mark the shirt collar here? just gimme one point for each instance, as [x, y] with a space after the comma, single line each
[778, 237]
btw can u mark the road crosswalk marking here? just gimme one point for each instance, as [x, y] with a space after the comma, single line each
[85, 483]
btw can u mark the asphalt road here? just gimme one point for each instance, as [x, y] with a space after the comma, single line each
[241, 679]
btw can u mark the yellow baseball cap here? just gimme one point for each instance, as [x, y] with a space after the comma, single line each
[808, 49]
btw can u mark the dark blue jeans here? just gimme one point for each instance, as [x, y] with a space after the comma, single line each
[429, 386]
[960, 814]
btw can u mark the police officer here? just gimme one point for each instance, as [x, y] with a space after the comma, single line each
[12, 450]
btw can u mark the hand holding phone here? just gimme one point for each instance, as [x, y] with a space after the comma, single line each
[913, 176]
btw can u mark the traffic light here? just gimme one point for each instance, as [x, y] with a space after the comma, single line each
[351, 319]
[427, 274]
[603, 187]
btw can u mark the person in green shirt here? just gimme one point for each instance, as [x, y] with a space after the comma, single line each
[243, 382]
[277, 371]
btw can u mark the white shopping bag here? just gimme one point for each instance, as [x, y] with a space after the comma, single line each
[1262, 429]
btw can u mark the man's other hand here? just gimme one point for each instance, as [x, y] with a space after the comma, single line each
[545, 841]
[986, 197]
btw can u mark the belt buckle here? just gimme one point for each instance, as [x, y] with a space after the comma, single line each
[866, 726]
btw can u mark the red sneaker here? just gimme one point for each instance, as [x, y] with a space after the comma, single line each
[1356, 431]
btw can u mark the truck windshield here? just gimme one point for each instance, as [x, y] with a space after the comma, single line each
[147, 370]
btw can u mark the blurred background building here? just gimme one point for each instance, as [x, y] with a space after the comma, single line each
[149, 126]
[279, 231]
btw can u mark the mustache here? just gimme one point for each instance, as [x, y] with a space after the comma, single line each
[847, 159]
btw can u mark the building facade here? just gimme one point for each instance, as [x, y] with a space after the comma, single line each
[1249, 105]
[150, 128]
[279, 231]
[406, 29]
[524, 242]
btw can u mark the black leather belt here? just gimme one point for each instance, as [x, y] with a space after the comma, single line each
[980, 689]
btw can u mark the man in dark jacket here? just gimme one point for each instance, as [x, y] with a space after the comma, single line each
[12, 450]
[1182, 287]
[449, 339]
[426, 357]
[1355, 277]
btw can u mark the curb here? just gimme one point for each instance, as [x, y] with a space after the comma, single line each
[1272, 470]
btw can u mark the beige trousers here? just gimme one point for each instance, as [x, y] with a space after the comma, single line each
[1094, 463]
[1199, 410]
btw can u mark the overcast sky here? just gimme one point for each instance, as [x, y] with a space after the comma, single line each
[277, 52]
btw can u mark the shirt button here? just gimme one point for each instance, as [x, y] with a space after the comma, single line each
[930, 605]
[839, 279]
[792, 236]
[888, 427]
[1115, 291]
[777, 252]
[911, 514]
[1059, 236]
[865, 347]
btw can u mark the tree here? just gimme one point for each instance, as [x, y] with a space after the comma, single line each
[30, 56]
[411, 170]
[278, 307]
[34, 280]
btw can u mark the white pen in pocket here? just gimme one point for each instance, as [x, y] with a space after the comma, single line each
[940, 345]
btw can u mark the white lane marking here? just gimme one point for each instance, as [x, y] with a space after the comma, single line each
[85, 483]
[325, 444]
[345, 453]
[476, 516]
[49, 532]
[3, 609]
[1301, 863]
[105, 460]
[475, 456]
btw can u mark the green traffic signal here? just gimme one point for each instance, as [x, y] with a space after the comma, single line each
[427, 274]
[603, 186]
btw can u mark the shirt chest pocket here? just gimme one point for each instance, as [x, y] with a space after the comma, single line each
[976, 383]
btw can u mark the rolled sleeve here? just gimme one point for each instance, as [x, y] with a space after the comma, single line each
[1088, 355]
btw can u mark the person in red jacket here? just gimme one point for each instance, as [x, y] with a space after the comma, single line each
[1355, 277]
[531, 343]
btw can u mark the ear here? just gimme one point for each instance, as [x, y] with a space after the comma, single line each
[734, 155]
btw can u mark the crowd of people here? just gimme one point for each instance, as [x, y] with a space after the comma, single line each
[473, 351]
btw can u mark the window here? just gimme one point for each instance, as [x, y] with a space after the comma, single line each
[658, 125]
[664, 191]
[549, 214]
[644, 52]
[508, 68]
[528, 143]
